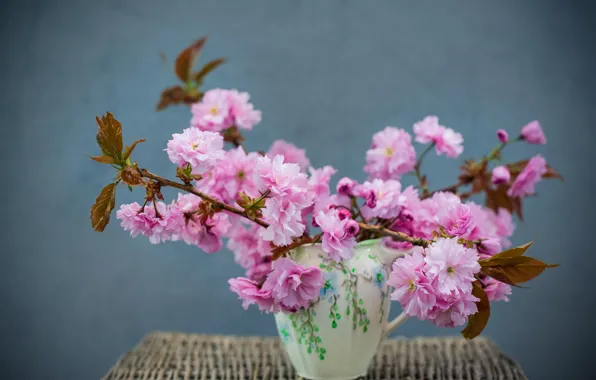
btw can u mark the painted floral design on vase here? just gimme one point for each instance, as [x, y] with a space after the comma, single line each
[338, 335]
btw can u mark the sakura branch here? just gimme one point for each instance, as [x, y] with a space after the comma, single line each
[267, 204]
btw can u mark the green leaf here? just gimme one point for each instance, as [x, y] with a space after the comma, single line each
[109, 136]
[477, 322]
[104, 204]
[104, 160]
[209, 67]
[187, 58]
[129, 149]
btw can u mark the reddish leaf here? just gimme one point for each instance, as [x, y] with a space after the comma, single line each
[498, 198]
[514, 270]
[104, 204]
[512, 252]
[477, 322]
[187, 59]
[109, 135]
[104, 159]
[129, 149]
[171, 95]
[209, 67]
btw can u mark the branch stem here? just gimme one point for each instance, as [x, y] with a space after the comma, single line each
[190, 189]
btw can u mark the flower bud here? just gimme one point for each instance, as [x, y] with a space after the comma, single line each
[503, 136]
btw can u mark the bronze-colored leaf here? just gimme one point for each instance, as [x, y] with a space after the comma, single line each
[104, 159]
[477, 322]
[552, 173]
[109, 135]
[170, 96]
[129, 149]
[209, 67]
[514, 270]
[512, 252]
[104, 204]
[187, 58]
[131, 176]
[498, 198]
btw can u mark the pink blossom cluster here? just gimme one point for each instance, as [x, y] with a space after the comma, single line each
[391, 154]
[221, 109]
[251, 252]
[436, 283]
[289, 197]
[202, 150]
[339, 233]
[287, 288]
[232, 175]
[420, 217]
[446, 140]
[177, 221]
[291, 153]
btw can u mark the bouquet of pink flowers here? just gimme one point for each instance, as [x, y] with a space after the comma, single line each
[267, 204]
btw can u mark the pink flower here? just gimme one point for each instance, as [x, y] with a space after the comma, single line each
[205, 236]
[338, 235]
[250, 293]
[221, 109]
[284, 218]
[293, 286]
[450, 144]
[345, 186]
[446, 140]
[489, 247]
[458, 221]
[383, 198]
[250, 251]
[391, 154]
[318, 182]
[412, 288]
[231, 176]
[279, 177]
[157, 228]
[526, 180]
[500, 175]
[503, 136]
[291, 154]
[428, 130]
[212, 113]
[202, 150]
[532, 133]
[453, 310]
[504, 225]
[496, 290]
[243, 112]
[452, 266]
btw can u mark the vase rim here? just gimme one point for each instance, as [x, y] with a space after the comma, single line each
[365, 243]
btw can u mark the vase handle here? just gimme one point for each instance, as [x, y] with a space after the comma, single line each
[394, 324]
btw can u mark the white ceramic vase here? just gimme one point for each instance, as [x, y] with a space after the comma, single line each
[337, 337]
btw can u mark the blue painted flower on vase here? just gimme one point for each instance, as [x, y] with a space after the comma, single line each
[330, 287]
[378, 276]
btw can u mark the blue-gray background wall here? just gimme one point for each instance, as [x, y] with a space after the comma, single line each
[326, 74]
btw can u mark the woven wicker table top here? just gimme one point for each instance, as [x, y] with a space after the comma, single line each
[176, 356]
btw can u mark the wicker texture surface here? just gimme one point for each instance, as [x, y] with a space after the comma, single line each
[176, 356]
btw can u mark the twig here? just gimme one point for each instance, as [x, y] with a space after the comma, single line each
[190, 189]
[394, 234]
